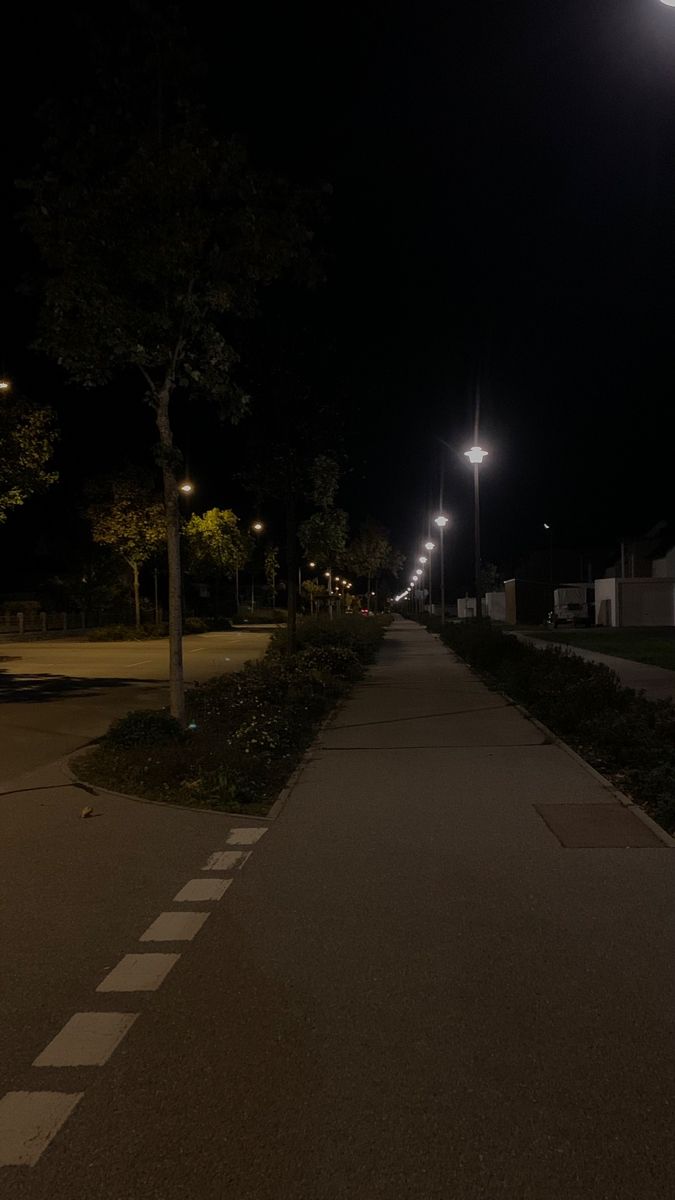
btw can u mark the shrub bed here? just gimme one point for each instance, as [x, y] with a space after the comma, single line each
[617, 730]
[361, 635]
[246, 731]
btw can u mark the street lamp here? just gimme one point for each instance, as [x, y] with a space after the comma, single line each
[5, 385]
[441, 522]
[475, 456]
[256, 527]
[186, 488]
[549, 531]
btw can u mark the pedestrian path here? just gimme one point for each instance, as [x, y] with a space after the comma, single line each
[444, 971]
[658, 683]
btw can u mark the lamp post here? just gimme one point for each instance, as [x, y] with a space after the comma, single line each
[256, 527]
[442, 521]
[550, 538]
[430, 546]
[475, 456]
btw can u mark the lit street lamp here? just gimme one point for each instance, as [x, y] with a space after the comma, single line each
[475, 456]
[441, 522]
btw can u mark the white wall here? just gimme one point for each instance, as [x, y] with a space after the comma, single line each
[495, 603]
[647, 602]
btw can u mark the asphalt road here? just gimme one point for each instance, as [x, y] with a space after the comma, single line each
[410, 990]
[55, 696]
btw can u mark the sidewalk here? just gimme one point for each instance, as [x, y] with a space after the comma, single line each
[412, 991]
[657, 683]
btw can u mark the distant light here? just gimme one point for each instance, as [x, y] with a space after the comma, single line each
[545, 525]
[5, 385]
[258, 526]
[441, 522]
[418, 573]
[475, 454]
[327, 574]
[186, 488]
[311, 564]
[423, 558]
[429, 545]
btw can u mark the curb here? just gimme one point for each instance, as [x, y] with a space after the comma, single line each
[661, 833]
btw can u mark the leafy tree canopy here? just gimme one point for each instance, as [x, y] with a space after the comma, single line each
[127, 515]
[27, 437]
[216, 543]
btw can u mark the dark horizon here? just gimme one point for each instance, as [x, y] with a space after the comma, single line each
[503, 198]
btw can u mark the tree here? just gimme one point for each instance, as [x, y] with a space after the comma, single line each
[156, 238]
[324, 535]
[271, 572]
[369, 553]
[130, 519]
[27, 437]
[316, 593]
[216, 543]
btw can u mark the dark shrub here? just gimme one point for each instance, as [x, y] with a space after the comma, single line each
[335, 661]
[194, 625]
[144, 727]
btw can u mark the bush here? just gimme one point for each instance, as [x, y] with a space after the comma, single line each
[335, 661]
[359, 634]
[194, 625]
[144, 727]
[617, 730]
[248, 729]
[126, 633]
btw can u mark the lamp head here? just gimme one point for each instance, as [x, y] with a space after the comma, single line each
[475, 454]
[441, 522]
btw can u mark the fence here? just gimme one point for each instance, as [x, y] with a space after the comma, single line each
[31, 621]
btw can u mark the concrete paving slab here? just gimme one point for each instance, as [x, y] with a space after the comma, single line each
[597, 826]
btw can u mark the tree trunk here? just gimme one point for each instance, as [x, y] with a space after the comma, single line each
[292, 570]
[137, 595]
[176, 685]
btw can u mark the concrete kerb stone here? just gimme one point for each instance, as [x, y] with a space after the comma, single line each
[553, 738]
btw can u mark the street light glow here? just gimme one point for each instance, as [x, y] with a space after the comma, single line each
[5, 385]
[429, 545]
[257, 526]
[545, 525]
[441, 522]
[186, 488]
[423, 558]
[312, 565]
[475, 454]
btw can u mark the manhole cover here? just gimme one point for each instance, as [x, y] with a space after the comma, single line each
[597, 826]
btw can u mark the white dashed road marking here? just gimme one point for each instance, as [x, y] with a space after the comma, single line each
[202, 889]
[139, 973]
[226, 860]
[87, 1040]
[174, 927]
[245, 837]
[28, 1122]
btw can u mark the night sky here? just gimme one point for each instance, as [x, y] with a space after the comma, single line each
[503, 214]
